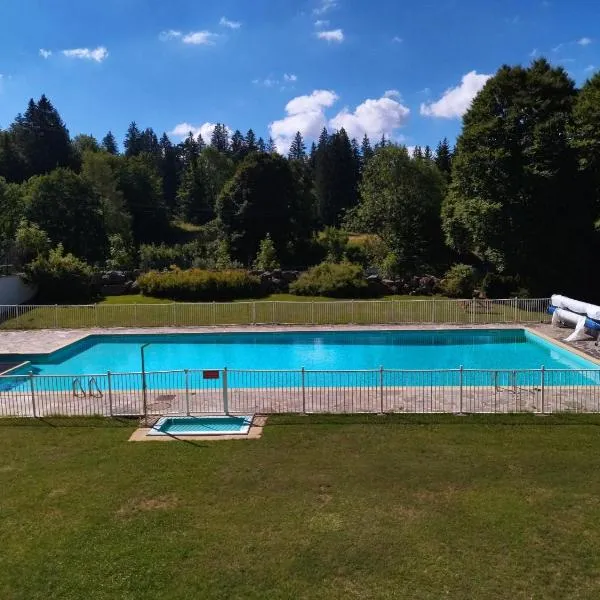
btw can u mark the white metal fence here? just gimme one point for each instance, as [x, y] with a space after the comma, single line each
[196, 392]
[364, 312]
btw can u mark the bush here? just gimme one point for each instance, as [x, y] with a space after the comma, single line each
[62, 278]
[334, 242]
[500, 286]
[195, 285]
[343, 280]
[390, 266]
[459, 281]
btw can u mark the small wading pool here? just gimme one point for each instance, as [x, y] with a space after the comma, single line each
[222, 425]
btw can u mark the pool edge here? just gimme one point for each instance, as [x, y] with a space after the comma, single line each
[563, 346]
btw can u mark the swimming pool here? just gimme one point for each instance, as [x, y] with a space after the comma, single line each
[483, 349]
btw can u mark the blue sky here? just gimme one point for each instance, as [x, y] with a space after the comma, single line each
[404, 68]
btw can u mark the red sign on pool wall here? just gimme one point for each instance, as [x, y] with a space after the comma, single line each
[210, 374]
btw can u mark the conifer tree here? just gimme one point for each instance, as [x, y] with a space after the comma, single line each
[109, 143]
[298, 148]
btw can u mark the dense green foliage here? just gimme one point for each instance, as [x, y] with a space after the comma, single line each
[196, 285]
[336, 280]
[62, 278]
[517, 199]
[459, 281]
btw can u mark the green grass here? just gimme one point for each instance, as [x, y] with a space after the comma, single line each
[328, 507]
[141, 311]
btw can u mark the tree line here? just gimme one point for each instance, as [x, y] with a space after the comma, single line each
[517, 198]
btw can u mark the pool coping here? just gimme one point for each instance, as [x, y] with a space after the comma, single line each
[11, 342]
[562, 345]
[142, 434]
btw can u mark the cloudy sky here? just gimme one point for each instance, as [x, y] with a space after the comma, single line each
[406, 69]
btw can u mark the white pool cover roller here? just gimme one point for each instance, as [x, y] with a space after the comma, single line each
[581, 308]
[568, 318]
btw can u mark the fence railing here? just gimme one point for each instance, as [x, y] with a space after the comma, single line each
[364, 312]
[196, 392]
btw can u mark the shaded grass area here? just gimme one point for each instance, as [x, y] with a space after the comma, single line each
[141, 311]
[321, 507]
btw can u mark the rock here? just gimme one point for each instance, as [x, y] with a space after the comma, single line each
[290, 276]
[114, 277]
[135, 287]
[373, 279]
[276, 273]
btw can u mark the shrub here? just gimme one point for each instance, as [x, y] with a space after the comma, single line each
[334, 242]
[195, 285]
[500, 286]
[31, 241]
[121, 254]
[266, 259]
[390, 266]
[343, 280]
[459, 281]
[62, 278]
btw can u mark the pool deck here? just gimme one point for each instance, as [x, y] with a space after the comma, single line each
[46, 341]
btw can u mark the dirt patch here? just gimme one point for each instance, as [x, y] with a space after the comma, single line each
[140, 505]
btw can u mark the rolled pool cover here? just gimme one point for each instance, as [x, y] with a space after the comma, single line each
[581, 308]
[572, 318]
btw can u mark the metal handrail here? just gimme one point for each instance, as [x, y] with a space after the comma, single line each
[94, 389]
[78, 390]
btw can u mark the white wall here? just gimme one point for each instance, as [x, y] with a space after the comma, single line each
[13, 290]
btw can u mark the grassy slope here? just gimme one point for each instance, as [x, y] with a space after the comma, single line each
[345, 507]
[291, 309]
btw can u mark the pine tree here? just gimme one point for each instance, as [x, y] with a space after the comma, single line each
[260, 145]
[366, 150]
[109, 143]
[266, 258]
[149, 143]
[418, 152]
[428, 154]
[169, 170]
[358, 164]
[133, 140]
[219, 139]
[297, 149]
[443, 157]
[238, 145]
[190, 150]
[41, 139]
[251, 141]
[271, 148]
[312, 157]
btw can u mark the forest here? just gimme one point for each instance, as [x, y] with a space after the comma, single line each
[512, 208]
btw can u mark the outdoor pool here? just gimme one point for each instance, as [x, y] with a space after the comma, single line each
[221, 425]
[503, 350]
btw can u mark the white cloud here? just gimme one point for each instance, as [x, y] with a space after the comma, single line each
[45, 53]
[290, 77]
[98, 54]
[557, 48]
[225, 22]
[305, 114]
[334, 35]
[326, 6]
[373, 117]
[584, 41]
[392, 94]
[169, 34]
[182, 130]
[397, 39]
[268, 82]
[321, 23]
[456, 101]
[590, 68]
[533, 53]
[200, 38]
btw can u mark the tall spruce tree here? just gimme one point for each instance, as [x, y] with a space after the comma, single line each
[219, 139]
[41, 139]
[271, 148]
[297, 148]
[366, 150]
[133, 140]
[109, 143]
[169, 171]
[251, 141]
[192, 197]
[260, 145]
[443, 157]
[238, 145]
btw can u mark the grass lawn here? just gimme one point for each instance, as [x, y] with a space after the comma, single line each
[141, 311]
[327, 507]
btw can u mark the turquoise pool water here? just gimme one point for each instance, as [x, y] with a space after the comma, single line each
[500, 349]
[225, 425]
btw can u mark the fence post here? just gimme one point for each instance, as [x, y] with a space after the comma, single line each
[542, 385]
[273, 312]
[56, 316]
[225, 393]
[461, 376]
[187, 392]
[214, 313]
[515, 304]
[173, 315]
[352, 312]
[32, 386]
[433, 310]
[302, 376]
[96, 314]
[381, 389]
[312, 312]
[135, 315]
[110, 398]
[254, 313]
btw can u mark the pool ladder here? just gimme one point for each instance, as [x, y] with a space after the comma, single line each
[93, 389]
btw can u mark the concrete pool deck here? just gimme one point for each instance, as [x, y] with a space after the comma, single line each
[46, 341]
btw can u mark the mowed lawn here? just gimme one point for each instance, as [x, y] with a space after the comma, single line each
[141, 311]
[320, 507]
